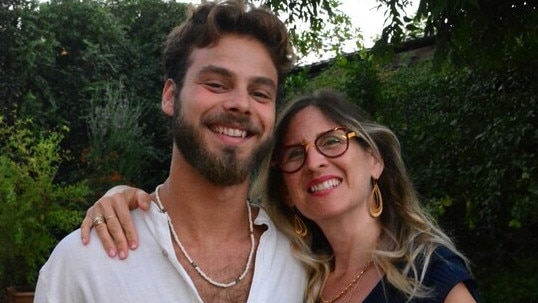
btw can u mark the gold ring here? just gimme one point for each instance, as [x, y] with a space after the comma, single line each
[109, 217]
[98, 220]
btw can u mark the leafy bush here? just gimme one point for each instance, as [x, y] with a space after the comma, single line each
[351, 76]
[469, 139]
[55, 56]
[519, 284]
[118, 147]
[35, 212]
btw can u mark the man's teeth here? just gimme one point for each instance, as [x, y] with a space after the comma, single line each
[325, 185]
[231, 132]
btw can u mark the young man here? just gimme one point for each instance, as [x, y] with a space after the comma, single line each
[203, 241]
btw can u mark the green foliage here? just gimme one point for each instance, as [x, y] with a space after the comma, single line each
[361, 83]
[470, 32]
[305, 81]
[25, 58]
[357, 79]
[470, 139]
[57, 56]
[146, 24]
[482, 152]
[35, 211]
[327, 28]
[518, 284]
[93, 52]
[504, 31]
[117, 145]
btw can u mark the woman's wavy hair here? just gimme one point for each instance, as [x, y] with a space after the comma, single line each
[210, 21]
[409, 235]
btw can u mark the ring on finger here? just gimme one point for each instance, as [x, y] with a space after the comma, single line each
[109, 217]
[98, 220]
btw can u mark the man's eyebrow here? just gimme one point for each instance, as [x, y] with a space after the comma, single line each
[265, 81]
[215, 70]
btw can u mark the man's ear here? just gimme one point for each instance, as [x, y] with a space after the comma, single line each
[167, 101]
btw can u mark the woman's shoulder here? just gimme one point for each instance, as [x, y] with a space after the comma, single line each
[445, 263]
[445, 269]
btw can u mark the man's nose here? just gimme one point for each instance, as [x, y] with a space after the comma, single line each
[239, 102]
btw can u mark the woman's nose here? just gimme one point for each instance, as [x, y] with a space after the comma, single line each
[313, 158]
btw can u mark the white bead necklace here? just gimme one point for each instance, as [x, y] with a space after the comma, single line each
[194, 265]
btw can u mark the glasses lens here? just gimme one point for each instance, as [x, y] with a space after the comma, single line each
[333, 143]
[291, 158]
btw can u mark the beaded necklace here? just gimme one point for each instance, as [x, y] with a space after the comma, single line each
[348, 287]
[194, 265]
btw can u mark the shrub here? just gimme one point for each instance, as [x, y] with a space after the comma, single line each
[118, 148]
[35, 212]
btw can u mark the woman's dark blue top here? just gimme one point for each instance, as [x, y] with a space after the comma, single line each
[445, 270]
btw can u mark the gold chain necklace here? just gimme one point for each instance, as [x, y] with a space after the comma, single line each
[194, 265]
[348, 287]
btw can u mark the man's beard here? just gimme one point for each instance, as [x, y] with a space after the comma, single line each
[222, 168]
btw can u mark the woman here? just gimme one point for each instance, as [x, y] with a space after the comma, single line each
[337, 186]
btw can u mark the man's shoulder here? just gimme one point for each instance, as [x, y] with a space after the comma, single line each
[71, 246]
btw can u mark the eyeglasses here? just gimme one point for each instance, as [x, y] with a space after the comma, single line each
[332, 144]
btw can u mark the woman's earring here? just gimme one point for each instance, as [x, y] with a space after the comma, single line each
[300, 227]
[377, 208]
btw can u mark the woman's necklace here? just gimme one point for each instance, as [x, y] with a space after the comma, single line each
[349, 286]
[196, 267]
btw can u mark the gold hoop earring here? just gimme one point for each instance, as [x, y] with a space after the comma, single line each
[377, 208]
[298, 223]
